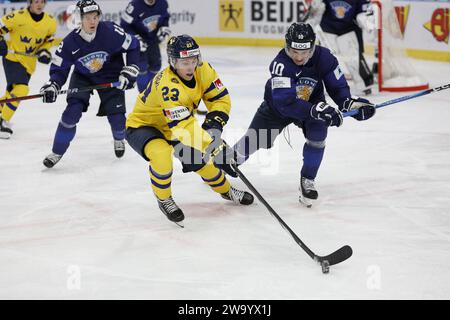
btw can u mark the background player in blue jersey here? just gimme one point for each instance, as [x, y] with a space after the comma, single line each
[148, 20]
[95, 50]
[340, 30]
[295, 94]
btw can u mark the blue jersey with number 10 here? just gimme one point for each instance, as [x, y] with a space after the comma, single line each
[292, 90]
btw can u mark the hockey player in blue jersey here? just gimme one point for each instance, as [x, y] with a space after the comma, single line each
[147, 20]
[341, 29]
[295, 94]
[95, 50]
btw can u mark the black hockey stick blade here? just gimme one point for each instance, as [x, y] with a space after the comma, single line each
[336, 257]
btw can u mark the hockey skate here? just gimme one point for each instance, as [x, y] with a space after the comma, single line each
[51, 160]
[171, 210]
[119, 148]
[5, 129]
[308, 192]
[238, 196]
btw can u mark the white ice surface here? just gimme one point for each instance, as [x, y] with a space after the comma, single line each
[90, 227]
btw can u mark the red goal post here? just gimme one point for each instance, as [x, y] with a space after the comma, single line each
[395, 70]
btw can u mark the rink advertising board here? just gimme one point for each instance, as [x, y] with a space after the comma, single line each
[424, 23]
[425, 27]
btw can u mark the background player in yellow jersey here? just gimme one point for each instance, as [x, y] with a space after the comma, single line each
[163, 124]
[31, 32]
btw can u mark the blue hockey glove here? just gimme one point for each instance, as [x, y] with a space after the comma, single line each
[325, 112]
[50, 91]
[214, 123]
[366, 110]
[44, 56]
[163, 33]
[128, 77]
[3, 47]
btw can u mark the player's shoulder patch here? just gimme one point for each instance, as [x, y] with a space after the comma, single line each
[338, 73]
[218, 84]
[281, 82]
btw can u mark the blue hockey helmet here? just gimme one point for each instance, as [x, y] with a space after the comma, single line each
[181, 47]
[300, 36]
[87, 6]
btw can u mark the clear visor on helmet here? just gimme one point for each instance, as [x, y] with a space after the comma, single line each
[187, 59]
[75, 16]
[300, 51]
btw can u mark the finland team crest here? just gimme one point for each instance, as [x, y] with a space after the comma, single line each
[94, 61]
[151, 22]
[340, 8]
[305, 87]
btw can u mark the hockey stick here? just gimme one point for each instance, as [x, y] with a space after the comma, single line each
[325, 262]
[404, 98]
[31, 55]
[68, 91]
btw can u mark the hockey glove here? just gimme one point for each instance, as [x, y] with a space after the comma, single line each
[330, 114]
[163, 33]
[128, 77]
[223, 156]
[214, 123]
[3, 47]
[49, 91]
[142, 44]
[366, 20]
[44, 56]
[366, 110]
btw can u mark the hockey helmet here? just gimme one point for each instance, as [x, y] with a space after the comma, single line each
[300, 36]
[181, 47]
[87, 6]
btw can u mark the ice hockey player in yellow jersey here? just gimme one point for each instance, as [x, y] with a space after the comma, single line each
[31, 32]
[163, 124]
